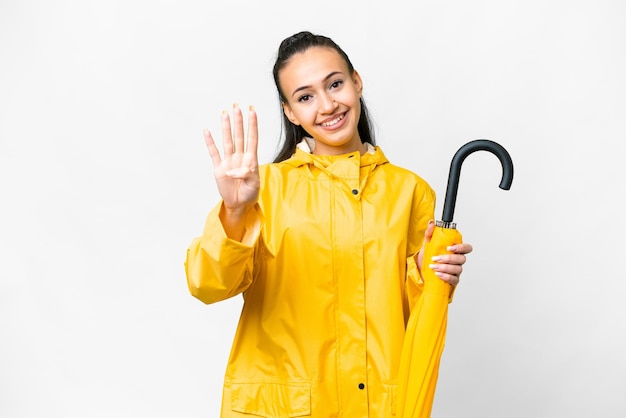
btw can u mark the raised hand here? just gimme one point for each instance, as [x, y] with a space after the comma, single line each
[236, 173]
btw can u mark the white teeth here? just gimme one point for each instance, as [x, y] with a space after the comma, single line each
[332, 122]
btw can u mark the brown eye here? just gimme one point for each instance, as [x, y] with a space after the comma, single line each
[336, 84]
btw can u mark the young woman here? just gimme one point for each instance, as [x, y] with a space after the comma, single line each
[324, 244]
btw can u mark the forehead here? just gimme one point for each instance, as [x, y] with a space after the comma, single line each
[312, 66]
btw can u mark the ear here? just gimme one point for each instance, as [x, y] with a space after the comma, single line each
[290, 115]
[358, 82]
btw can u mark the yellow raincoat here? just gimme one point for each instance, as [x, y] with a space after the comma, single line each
[328, 276]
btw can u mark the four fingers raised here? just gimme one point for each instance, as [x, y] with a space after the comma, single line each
[233, 137]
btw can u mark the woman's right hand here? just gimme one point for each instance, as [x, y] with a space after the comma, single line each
[236, 173]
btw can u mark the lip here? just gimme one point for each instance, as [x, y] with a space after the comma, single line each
[340, 121]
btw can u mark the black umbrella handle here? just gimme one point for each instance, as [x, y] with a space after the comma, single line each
[455, 171]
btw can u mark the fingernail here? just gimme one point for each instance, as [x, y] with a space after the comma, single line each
[436, 258]
[224, 112]
[439, 274]
[235, 105]
[433, 266]
[251, 108]
[450, 248]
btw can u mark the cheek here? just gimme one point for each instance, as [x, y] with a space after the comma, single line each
[295, 114]
[306, 115]
[350, 97]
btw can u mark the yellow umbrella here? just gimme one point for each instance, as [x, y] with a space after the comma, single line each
[426, 329]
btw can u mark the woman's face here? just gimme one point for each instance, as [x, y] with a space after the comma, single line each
[323, 97]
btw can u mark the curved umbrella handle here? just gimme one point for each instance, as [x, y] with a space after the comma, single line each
[455, 171]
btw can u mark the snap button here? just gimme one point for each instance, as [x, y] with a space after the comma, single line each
[361, 386]
[355, 191]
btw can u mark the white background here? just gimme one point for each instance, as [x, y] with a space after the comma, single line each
[104, 181]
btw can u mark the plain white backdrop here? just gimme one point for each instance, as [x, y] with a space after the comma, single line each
[104, 181]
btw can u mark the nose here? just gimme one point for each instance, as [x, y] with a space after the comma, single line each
[327, 103]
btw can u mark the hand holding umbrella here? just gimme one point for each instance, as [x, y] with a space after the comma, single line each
[426, 329]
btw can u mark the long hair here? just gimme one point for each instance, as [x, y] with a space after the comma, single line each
[293, 134]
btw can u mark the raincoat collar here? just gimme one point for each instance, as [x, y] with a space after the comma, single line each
[352, 170]
[373, 157]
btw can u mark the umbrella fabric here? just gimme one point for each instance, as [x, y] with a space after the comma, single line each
[425, 334]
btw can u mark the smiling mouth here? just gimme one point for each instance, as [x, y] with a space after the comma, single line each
[334, 121]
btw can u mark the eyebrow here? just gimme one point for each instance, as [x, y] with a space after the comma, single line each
[334, 73]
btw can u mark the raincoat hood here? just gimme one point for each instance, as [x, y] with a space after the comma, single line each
[303, 155]
[353, 169]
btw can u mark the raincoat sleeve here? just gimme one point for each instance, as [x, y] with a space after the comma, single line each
[218, 267]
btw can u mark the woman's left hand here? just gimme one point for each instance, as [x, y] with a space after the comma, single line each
[448, 267]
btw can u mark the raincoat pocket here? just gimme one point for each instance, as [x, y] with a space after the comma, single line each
[271, 399]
